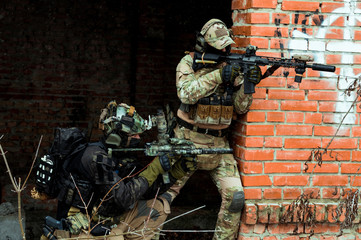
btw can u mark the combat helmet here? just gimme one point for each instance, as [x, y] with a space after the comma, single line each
[119, 122]
[214, 33]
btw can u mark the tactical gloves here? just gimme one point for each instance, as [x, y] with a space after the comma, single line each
[229, 73]
[160, 165]
[254, 74]
[182, 166]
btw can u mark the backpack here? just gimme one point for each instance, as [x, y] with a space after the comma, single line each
[68, 145]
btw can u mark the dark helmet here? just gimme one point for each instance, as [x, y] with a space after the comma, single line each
[119, 122]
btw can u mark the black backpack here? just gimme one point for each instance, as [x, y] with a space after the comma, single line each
[68, 145]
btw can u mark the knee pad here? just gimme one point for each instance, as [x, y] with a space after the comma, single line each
[237, 202]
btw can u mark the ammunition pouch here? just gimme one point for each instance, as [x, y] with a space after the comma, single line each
[214, 110]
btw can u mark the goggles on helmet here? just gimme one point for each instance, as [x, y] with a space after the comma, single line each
[124, 118]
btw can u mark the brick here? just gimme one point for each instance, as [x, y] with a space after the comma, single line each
[292, 155]
[356, 131]
[252, 181]
[291, 193]
[299, 6]
[277, 43]
[257, 18]
[330, 209]
[259, 228]
[317, 84]
[328, 7]
[313, 193]
[335, 118]
[249, 215]
[322, 95]
[337, 156]
[331, 193]
[252, 142]
[272, 81]
[356, 156]
[324, 168]
[263, 212]
[306, 106]
[267, 154]
[263, 4]
[266, 31]
[245, 228]
[294, 117]
[271, 238]
[294, 130]
[238, 4]
[275, 116]
[331, 131]
[281, 228]
[290, 180]
[313, 118]
[261, 93]
[252, 193]
[251, 167]
[273, 142]
[282, 167]
[264, 105]
[253, 116]
[286, 94]
[273, 193]
[302, 143]
[355, 181]
[280, 18]
[300, 19]
[340, 143]
[330, 180]
[259, 130]
[350, 167]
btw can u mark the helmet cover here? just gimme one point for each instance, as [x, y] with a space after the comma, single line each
[123, 118]
[216, 34]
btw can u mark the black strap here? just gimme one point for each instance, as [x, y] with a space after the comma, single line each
[212, 132]
[100, 167]
[270, 71]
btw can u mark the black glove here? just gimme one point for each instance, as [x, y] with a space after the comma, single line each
[229, 73]
[182, 166]
[254, 74]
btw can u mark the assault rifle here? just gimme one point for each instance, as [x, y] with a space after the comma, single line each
[299, 62]
[167, 145]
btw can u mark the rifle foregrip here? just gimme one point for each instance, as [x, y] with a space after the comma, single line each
[322, 67]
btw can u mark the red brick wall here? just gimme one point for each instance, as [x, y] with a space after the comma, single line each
[289, 121]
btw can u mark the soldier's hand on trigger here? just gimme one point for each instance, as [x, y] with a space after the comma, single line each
[188, 163]
[183, 165]
[254, 74]
[229, 73]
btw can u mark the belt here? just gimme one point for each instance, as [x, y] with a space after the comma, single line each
[212, 132]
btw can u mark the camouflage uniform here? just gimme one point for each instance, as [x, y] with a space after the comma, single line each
[141, 222]
[191, 87]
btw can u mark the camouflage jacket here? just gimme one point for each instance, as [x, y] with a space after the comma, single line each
[192, 86]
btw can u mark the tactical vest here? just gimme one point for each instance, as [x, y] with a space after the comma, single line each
[214, 109]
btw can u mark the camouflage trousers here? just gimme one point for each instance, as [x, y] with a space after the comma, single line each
[143, 221]
[225, 175]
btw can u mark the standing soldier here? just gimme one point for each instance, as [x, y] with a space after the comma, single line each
[209, 96]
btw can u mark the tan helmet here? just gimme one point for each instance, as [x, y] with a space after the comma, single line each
[216, 34]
